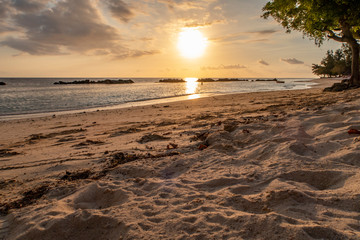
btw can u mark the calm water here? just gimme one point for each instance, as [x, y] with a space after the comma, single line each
[39, 95]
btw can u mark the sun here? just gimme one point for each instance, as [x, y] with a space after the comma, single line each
[191, 43]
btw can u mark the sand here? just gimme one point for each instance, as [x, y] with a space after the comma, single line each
[274, 165]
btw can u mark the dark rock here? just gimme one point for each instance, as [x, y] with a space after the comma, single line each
[338, 87]
[231, 80]
[106, 81]
[205, 80]
[169, 80]
[267, 80]
[2, 83]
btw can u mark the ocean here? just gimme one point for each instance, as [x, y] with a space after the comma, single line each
[26, 97]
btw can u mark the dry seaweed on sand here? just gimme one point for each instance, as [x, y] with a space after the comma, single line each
[151, 137]
[29, 197]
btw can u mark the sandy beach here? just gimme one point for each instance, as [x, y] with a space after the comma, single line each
[271, 165]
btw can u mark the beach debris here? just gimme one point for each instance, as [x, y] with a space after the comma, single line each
[121, 158]
[7, 153]
[202, 147]
[204, 117]
[29, 197]
[165, 123]
[246, 131]
[172, 146]
[7, 182]
[199, 136]
[230, 126]
[80, 174]
[33, 137]
[39, 136]
[89, 142]
[124, 132]
[151, 137]
[66, 139]
[353, 131]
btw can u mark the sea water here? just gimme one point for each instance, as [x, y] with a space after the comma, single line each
[23, 96]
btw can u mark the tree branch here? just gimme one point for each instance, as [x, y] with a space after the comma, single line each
[335, 37]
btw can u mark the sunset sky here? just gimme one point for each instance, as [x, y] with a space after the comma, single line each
[140, 38]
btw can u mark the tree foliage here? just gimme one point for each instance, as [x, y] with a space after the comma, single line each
[321, 19]
[336, 63]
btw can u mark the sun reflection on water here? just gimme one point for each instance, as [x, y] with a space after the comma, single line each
[191, 86]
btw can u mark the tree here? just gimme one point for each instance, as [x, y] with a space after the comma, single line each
[321, 19]
[335, 64]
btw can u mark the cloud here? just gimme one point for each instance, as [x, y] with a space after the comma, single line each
[48, 27]
[4, 8]
[196, 24]
[75, 25]
[28, 6]
[120, 10]
[185, 4]
[135, 53]
[264, 32]
[55, 27]
[257, 40]
[31, 47]
[229, 37]
[68, 26]
[263, 62]
[223, 67]
[292, 60]
[246, 37]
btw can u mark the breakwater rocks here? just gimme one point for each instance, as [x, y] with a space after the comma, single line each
[269, 80]
[106, 81]
[202, 80]
[232, 80]
[172, 80]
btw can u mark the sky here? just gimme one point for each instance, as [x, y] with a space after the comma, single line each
[140, 38]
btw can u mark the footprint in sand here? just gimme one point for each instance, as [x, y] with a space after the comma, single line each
[321, 180]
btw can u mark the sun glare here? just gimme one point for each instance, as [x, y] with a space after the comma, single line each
[191, 43]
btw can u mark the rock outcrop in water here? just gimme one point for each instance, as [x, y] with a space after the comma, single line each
[269, 80]
[202, 80]
[231, 80]
[170, 80]
[205, 80]
[2, 83]
[106, 81]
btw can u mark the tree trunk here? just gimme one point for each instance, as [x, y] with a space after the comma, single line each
[355, 75]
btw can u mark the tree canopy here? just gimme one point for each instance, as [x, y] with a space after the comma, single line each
[321, 19]
[336, 63]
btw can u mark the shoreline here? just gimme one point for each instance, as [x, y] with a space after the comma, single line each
[318, 83]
